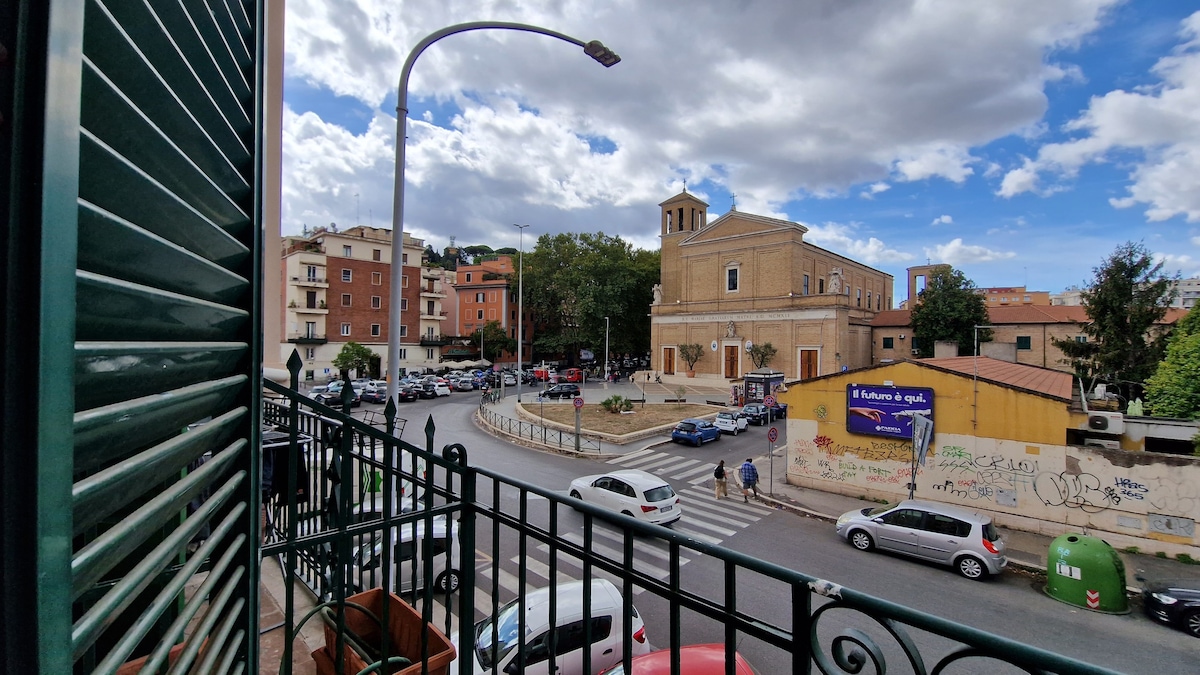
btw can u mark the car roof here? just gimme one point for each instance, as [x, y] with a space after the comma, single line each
[569, 602]
[693, 659]
[945, 509]
[695, 420]
[637, 478]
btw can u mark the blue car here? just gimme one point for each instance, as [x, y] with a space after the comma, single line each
[695, 431]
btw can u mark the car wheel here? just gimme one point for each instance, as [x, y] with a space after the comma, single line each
[699, 441]
[575, 495]
[447, 581]
[735, 431]
[1191, 623]
[971, 567]
[861, 540]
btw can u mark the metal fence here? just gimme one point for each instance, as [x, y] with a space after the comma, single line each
[503, 539]
[537, 433]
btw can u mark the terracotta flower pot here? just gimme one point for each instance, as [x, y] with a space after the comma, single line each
[691, 373]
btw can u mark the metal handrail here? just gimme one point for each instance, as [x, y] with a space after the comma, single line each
[537, 433]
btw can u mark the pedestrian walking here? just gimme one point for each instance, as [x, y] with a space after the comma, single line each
[721, 485]
[749, 479]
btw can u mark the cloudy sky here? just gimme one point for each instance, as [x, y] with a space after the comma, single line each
[1020, 141]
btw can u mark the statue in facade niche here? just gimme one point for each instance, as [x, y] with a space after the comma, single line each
[835, 280]
[730, 330]
[657, 294]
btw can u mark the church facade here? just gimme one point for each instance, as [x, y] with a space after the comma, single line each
[744, 280]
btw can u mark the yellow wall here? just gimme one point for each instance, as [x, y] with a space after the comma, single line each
[1010, 460]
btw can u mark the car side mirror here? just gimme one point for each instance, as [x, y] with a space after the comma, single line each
[877, 520]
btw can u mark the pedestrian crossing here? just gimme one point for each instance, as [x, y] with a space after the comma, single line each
[704, 519]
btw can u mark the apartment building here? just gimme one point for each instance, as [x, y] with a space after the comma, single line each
[337, 289]
[1010, 296]
[745, 279]
[486, 292]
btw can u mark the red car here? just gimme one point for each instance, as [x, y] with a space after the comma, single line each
[572, 375]
[706, 659]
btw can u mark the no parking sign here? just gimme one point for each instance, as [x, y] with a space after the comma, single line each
[773, 435]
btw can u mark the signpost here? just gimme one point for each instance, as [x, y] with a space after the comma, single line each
[772, 436]
[578, 403]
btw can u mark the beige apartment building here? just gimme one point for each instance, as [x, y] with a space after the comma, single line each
[336, 288]
[745, 279]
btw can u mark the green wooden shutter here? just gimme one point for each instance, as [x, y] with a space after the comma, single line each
[143, 459]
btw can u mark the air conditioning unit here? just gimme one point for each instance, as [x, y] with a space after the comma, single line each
[1106, 443]
[902, 336]
[916, 351]
[1107, 422]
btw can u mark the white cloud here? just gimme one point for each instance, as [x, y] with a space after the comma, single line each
[1158, 123]
[1184, 264]
[874, 189]
[840, 238]
[1195, 241]
[943, 220]
[957, 253]
[798, 100]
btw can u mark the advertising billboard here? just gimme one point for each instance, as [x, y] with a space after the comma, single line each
[886, 411]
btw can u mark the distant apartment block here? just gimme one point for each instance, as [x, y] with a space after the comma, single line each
[1187, 293]
[1009, 296]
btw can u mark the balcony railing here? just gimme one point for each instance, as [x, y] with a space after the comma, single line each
[302, 280]
[307, 338]
[435, 340]
[330, 509]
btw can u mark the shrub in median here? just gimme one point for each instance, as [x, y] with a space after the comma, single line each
[616, 404]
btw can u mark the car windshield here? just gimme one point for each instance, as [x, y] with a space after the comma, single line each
[508, 632]
[685, 426]
[875, 510]
[659, 494]
[725, 416]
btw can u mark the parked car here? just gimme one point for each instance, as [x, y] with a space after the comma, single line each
[633, 492]
[561, 391]
[464, 384]
[441, 388]
[414, 544]
[546, 373]
[949, 535]
[695, 431]
[533, 623]
[1175, 603]
[693, 660]
[374, 396]
[731, 422]
[319, 389]
[756, 413]
[428, 390]
[509, 379]
[333, 399]
[407, 394]
[779, 411]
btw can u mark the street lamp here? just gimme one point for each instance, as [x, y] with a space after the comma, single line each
[520, 308]
[606, 352]
[595, 49]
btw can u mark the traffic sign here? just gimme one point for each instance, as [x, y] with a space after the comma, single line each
[769, 401]
[578, 402]
[773, 435]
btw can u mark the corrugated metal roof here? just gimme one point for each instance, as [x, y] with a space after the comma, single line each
[1053, 383]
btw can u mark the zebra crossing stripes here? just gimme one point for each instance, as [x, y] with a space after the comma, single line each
[704, 471]
[661, 461]
[752, 510]
[625, 459]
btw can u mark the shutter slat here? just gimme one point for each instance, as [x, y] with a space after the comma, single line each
[110, 372]
[111, 309]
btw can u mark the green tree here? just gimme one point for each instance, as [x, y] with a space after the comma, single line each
[762, 354]
[691, 353]
[948, 310]
[495, 341]
[573, 281]
[1174, 388]
[1128, 295]
[353, 357]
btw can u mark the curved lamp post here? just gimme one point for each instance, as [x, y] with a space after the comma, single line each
[594, 49]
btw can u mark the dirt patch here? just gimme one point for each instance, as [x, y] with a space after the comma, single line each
[597, 419]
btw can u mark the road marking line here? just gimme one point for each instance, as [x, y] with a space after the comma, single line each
[638, 545]
[543, 569]
[719, 516]
[697, 535]
[616, 556]
[696, 522]
[707, 470]
[631, 456]
[669, 459]
[731, 502]
[677, 467]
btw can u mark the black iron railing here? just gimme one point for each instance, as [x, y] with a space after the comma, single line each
[336, 532]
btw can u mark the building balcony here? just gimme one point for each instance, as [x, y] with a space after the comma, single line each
[305, 309]
[309, 282]
[436, 316]
[307, 338]
[432, 293]
[434, 340]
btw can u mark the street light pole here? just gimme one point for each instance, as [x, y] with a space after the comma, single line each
[606, 353]
[520, 307]
[595, 49]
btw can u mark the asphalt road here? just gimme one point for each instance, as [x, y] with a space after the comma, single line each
[1011, 605]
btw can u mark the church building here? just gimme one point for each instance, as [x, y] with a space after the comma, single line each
[743, 280]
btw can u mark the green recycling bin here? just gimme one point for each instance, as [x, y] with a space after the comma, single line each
[1086, 572]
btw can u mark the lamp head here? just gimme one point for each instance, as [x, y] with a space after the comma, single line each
[603, 55]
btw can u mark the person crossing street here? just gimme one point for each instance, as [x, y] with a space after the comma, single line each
[749, 475]
[720, 484]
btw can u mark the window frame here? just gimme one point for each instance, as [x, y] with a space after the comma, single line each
[376, 302]
[733, 278]
[376, 330]
[376, 278]
[345, 329]
[889, 343]
[347, 275]
[1027, 341]
[347, 299]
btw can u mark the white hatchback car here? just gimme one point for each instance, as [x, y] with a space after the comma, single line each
[633, 492]
[731, 422]
[494, 643]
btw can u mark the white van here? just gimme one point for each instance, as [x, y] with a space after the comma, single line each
[414, 547]
[605, 616]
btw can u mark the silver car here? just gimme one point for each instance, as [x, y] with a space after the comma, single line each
[966, 540]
